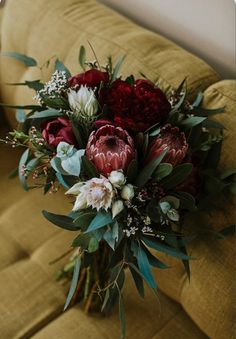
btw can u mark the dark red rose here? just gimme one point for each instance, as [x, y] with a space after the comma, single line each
[101, 122]
[91, 78]
[172, 140]
[136, 107]
[58, 130]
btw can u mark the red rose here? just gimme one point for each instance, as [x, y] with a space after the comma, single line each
[58, 130]
[91, 78]
[172, 140]
[136, 107]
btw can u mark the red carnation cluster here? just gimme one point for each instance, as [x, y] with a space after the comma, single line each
[135, 107]
[91, 78]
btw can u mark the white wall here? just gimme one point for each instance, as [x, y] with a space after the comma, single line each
[204, 27]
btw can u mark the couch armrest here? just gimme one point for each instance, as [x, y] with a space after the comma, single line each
[209, 296]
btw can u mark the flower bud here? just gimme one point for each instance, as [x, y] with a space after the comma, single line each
[83, 101]
[117, 207]
[117, 178]
[127, 192]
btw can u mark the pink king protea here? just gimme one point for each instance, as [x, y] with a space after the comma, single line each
[172, 140]
[110, 148]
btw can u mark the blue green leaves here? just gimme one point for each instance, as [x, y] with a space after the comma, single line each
[21, 169]
[61, 67]
[73, 282]
[61, 221]
[101, 219]
[28, 61]
[148, 170]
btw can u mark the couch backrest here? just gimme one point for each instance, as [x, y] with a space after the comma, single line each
[43, 29]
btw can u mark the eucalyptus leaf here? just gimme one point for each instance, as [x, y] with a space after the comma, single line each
[61, 67]
[101, 219]
[83, 219]
[82, 240]
[122, 316]
[49, 113]
[117, 68]
[162, 171]
[89, 167]
[20, 115]
[22, 163]
[62, 180]
[93, 245]
[161, 247]
[138, 280]
[74, 282]
[192, 121]
[34, 84]
[82, 57]
[61, 221]
[28, 61]
[178, 175]
[148, 170]
[144, 265]
[187, 201]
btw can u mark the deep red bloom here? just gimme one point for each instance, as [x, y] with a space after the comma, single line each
[136, 107]
[110, 148]
[58, 130]
[91, 78]
[172, 140]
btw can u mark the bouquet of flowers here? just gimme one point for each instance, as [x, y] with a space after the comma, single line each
[135, 159]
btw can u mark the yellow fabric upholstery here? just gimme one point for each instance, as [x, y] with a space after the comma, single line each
[31, 300]
[59, 28]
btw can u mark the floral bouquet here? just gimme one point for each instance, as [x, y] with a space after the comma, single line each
[136, 161]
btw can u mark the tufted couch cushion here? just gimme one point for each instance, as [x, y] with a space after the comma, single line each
[60, 27]
[31, 300]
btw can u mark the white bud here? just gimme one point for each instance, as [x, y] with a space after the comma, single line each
[127, 192]
[117, 207]
[83, 101]
[117, 178]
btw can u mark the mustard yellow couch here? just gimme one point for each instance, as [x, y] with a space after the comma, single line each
[31, 301]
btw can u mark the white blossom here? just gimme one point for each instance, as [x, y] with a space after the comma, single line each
[127, 192]
[117, 178]
[83, 102]
[117, 207]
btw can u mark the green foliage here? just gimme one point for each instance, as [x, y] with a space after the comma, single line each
[61, 67]
[148, 170]
[20, 115]
[35, 84]
[74, 282]
[22, 163]
[117, 68]
[178, 175]
[192, 121]
[162, 247]
[61, 221]
[28, 61]
[101, 219]
[162, 171]
[89, 167]
[82, 57]
[48, 113]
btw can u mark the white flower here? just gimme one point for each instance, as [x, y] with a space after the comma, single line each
[117, 178]
[83, 101]
[96, 193]
[127, 192]
[117, 207]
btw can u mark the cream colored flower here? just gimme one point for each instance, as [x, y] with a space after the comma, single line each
[117, 207]
[83, 101]
[117, 178]
[96, 193]
[127, 192]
